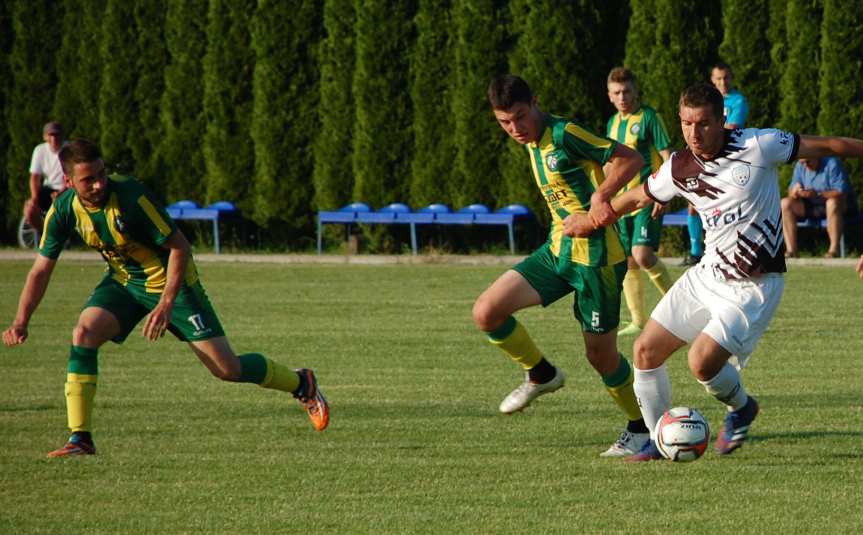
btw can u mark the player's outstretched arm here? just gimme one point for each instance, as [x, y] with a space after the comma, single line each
[631, 200]
[160, 317]
[623, 165]
[859, 267]
[821, 146]
[31, 296]
[581, 225]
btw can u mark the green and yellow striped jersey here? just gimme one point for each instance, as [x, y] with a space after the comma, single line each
[645, 132]
[567, 165]
[128, 232]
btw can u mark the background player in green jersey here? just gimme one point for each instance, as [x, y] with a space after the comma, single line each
[638, 126]
[567, 163]
[150, 275]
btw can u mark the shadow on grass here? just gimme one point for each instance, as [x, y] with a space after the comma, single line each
[31, 408]
[805, 435]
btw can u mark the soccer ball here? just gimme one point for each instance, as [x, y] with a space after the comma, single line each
[682, 434]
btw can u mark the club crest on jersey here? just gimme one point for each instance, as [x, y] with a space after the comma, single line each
[692, 183]
[635, 129]
[740, 174]
[551, 162]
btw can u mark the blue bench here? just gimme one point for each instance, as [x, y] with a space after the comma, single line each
[680, 217]
[433, 214]
[190, 210]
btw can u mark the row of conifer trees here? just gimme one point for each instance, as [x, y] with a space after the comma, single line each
[287, 108]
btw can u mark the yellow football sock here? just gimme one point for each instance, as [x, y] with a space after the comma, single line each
[512, 339]
[280, 377]
[258, 369]
[80, 392]
[633, 290]
[619, 386]
[82, 374]
[659, 276]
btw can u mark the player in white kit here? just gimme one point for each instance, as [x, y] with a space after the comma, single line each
[722, 305]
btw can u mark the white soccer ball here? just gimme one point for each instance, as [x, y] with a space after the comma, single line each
[682, 434]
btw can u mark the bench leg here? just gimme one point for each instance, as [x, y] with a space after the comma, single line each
[414, 238]
[511, 238]
[216, 235]
[842, 245]
[319, 236]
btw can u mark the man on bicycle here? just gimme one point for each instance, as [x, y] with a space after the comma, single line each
[46, 175]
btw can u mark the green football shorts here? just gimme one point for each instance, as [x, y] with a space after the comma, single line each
[193, 317]
[597, 289]
[640, 229]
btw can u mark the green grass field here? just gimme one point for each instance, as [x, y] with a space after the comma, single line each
[415, 444]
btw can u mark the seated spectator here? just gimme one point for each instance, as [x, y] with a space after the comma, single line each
[819, 189]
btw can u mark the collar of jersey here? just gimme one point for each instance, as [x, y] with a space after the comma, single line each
[546, 119]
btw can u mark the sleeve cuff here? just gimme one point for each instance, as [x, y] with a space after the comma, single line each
[794, 148]
[651, 195]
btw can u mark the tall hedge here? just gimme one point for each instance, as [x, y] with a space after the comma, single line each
[182, 111]
[431, 76]
[32, 67]
[564, 51]
[799, 85]
[285, 39]
[480, 46]
[778, 39]
[333, 149]
[640, 41]
[5, 85]
[516, 178]
[229, 62]
[746, 49]
[684, 47]
[841, 72]
[383, 139]
[149, 85]
[76, 102]
[118, 115]
[67, 102]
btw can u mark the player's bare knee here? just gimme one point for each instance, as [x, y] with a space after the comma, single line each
[643, 355]
[645, 259]
[485, 316]
[84, 335]
[701, 368]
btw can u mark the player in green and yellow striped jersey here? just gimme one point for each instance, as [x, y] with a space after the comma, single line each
[150, 275]
[640, 127]
[567, 162]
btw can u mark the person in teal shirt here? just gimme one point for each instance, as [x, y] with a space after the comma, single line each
[736, 110]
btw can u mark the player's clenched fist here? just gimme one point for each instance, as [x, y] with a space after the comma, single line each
[14, 335]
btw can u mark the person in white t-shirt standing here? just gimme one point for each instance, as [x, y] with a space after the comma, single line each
[722, 305]
[46, 175]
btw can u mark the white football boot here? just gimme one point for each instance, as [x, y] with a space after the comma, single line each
[527, 391]
[626, 444]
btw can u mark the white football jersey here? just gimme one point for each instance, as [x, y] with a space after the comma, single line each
[737, 196]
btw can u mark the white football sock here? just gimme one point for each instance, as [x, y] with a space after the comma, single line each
[653, 391]
[727, 388]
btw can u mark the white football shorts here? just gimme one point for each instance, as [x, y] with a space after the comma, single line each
[734, 313]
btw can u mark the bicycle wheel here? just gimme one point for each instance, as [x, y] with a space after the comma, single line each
[28, 237]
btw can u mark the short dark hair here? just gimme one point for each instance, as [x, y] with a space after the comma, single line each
[702, 94]
[722, 66]
[78, 151]
[621, 75]
[506, 91]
